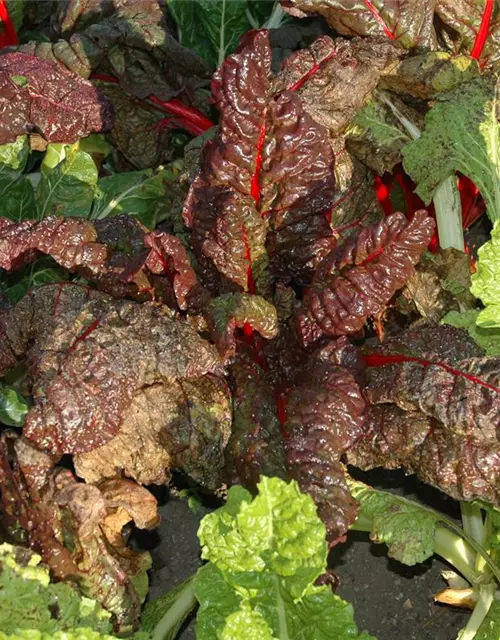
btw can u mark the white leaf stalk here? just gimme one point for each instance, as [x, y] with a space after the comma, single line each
[446, 200]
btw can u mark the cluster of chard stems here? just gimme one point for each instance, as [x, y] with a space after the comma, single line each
[476, 582]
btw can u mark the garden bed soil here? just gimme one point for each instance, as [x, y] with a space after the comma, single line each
[391, 601]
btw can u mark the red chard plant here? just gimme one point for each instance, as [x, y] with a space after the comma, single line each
[259, 265]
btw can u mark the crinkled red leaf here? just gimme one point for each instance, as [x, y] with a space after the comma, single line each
[255, 447]
[237, 310]
[325, 417]
[358, 280]
[38, 95]
[77, 527]
[407, 24]
[439, 372]
[116, 253]
[475, 29]
[443, 459]
[89, 354]
[228, 238]
[269, 158]
[335, 78]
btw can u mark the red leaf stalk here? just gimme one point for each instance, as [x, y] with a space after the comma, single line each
[188, 118]
[483, 33]
[9, 37]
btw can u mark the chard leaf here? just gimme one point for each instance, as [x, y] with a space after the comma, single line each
[485, 280]
[29, 600]
[487, 338]
[231, 310]
[377, 137]
[68, 182]
[407, 528]
[406, 24]
[265, 556]
[141, 194]
[18, 201]
[13, 407]
[213, 28]
[16, 12]
[16, 191]
[490, 627]
[40, 95]
[461, 134]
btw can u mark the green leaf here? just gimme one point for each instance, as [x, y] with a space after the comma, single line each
[261, 11]
[13, 159]
[95, 143]
[405, 527]
[212, 28]
[490, 627]
[165, 615]
[218, 601]
[16, 191]
[16, 12]
[29, 599]
[18, 201]
[142, 194]
[461, 134]
[68, 182]
[265, 555]
[13, 407]
[377, 137]
[487, 338]
[18, 283]
[485, 280]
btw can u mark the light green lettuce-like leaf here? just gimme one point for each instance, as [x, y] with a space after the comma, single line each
[406, 528]
[461, 134]
[265, 555]
[29, 599]
[95, 143]
[142, 194]
[13, 407]
[487, 339]
[14, 156]
[213, 28]
[246, 623]
[485, 280]
[68, 182]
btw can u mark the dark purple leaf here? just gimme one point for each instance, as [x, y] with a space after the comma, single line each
[325, 417]
[41, 96]
[358, 280]
[88, 355]
[406, 24]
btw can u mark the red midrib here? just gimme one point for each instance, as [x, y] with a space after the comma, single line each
[84, 334]
[379, 360]
[255, 184]
[248, 256]
[379, 19]
[483, 33]
[312, 71]
[372, 256]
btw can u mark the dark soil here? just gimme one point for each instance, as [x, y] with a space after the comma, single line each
[391, 601]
